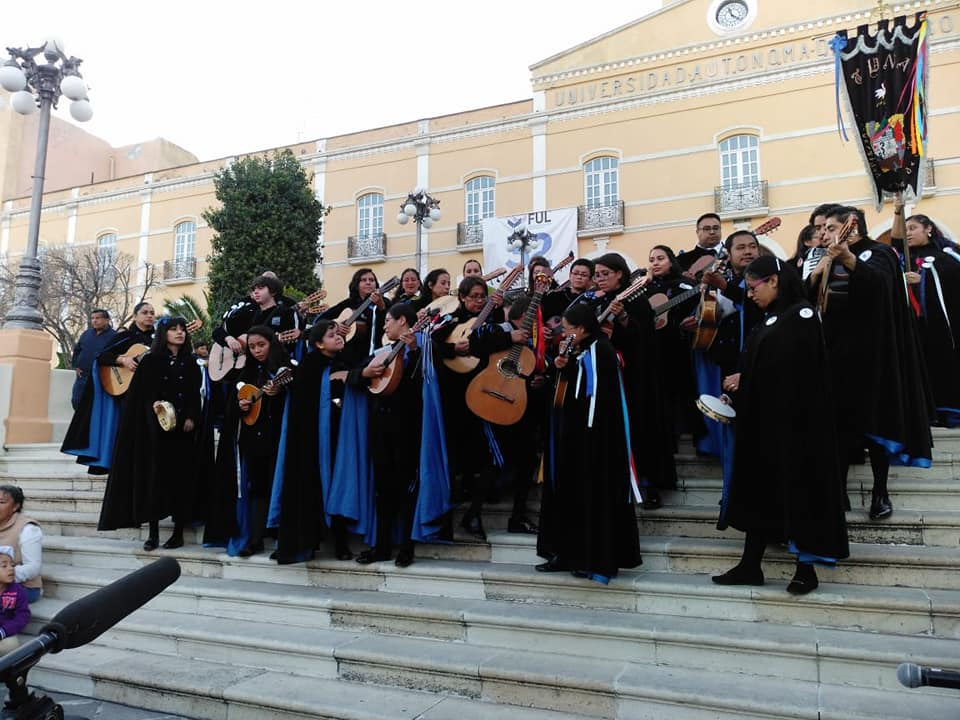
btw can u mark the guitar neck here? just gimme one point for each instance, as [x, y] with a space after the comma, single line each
[676, 300]
[398, 345]
[382, 290]
[527, 325]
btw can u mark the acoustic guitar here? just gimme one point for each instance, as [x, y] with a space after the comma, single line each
[467, 363]
[348, 318]
[498, 394]
[222, 359]
[116, 379]
[255, 394]
[390, 358]
[708, 311]
[311, 305]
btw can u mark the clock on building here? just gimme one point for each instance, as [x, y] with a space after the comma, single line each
[726, 16]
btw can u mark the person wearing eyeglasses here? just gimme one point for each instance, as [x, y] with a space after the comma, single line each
[708, 241]
[783, 488]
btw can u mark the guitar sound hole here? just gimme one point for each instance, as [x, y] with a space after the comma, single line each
[508, 368]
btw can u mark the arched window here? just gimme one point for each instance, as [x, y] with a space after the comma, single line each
[370, 215]
[184, 240]
[601, 181]
[480, 195]
[740, 161]
[107, 245]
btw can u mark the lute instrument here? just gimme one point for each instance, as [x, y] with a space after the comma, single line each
[390, 358]
[467, 363]
[116, 379]
[348, 318]
[567, 346]
[498, 394]
[254, 394]
[823, 293]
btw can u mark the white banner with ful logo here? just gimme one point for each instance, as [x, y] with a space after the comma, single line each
[556, 238]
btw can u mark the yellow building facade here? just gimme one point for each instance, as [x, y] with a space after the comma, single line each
[703, 106]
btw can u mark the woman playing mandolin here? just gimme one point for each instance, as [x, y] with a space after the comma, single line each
[368, 326]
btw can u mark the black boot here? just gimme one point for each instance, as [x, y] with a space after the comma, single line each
[747, 571]
[153, 539]
[176, 540]
[880, 506]
[804, 580]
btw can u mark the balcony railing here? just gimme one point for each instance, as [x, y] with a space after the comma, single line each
[742, 198]
[367, 248]
[600, 219]
[469, 235]
[179, 269]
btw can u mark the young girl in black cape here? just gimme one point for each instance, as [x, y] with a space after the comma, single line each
[784, 486]
[591, 519]
[370, 324]
[247, 454]
[314, 421]
[152, 475]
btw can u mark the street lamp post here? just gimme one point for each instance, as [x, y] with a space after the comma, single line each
[521, 239]
[424, 210]
[40, 85]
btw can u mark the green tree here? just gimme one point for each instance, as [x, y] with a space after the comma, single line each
[269, 219]
[188, 308]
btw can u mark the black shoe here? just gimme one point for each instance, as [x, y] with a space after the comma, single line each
[372, 556]
[651, 499]
[738, 575]
[404, 558]
[344, 554]
[551, 565]
[804, 581]
[151, 543]
[580, 573]
[521, 525]
[97, 471]
[247, 551]
[474, 525]
[175, 541]
[881, 507]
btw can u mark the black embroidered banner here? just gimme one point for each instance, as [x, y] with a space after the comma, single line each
[884, 77]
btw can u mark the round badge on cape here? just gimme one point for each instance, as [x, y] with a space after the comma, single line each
[771, 320]
[806, 313]
[684, 286]
[865, 255]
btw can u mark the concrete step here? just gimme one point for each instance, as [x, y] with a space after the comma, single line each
[218, 691]
[903, 610]
[372, 684]
[36, 458]
[868, 564]
[197, 609]
[82, 501]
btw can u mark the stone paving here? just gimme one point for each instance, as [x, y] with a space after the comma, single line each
[76, 707]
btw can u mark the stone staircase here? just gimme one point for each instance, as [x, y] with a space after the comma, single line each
[471, 630]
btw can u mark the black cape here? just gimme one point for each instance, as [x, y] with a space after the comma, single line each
[591, 521]
[152, 475]
[786, 478]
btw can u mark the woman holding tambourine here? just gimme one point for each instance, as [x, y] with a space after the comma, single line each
[783, 488]
[155, 452]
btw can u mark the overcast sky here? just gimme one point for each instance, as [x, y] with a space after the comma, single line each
[221, 78]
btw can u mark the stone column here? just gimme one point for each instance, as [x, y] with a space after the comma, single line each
[28, 352]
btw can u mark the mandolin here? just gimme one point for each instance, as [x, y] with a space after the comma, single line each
[467, 363]
[498, 394]
[348, 318]
[254, 394]
[222, 359]
[116, 379]
[311, 305]
[390, 358]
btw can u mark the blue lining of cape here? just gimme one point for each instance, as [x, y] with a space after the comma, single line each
[433, 498]
[104, 419]
[897, 456]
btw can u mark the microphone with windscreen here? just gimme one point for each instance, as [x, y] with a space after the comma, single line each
[80, 622]
[914, 676]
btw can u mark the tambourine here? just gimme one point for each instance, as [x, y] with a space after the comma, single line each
[716, 409]
[166, 415]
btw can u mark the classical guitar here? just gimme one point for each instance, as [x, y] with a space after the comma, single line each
[311, 305]
[222, 359]
[662, 305]
[498, 394]
[466, 363]
[390, 358]
[348, 317]
[631, 292]
[116, 379]
[255, 394]
[567, 346]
